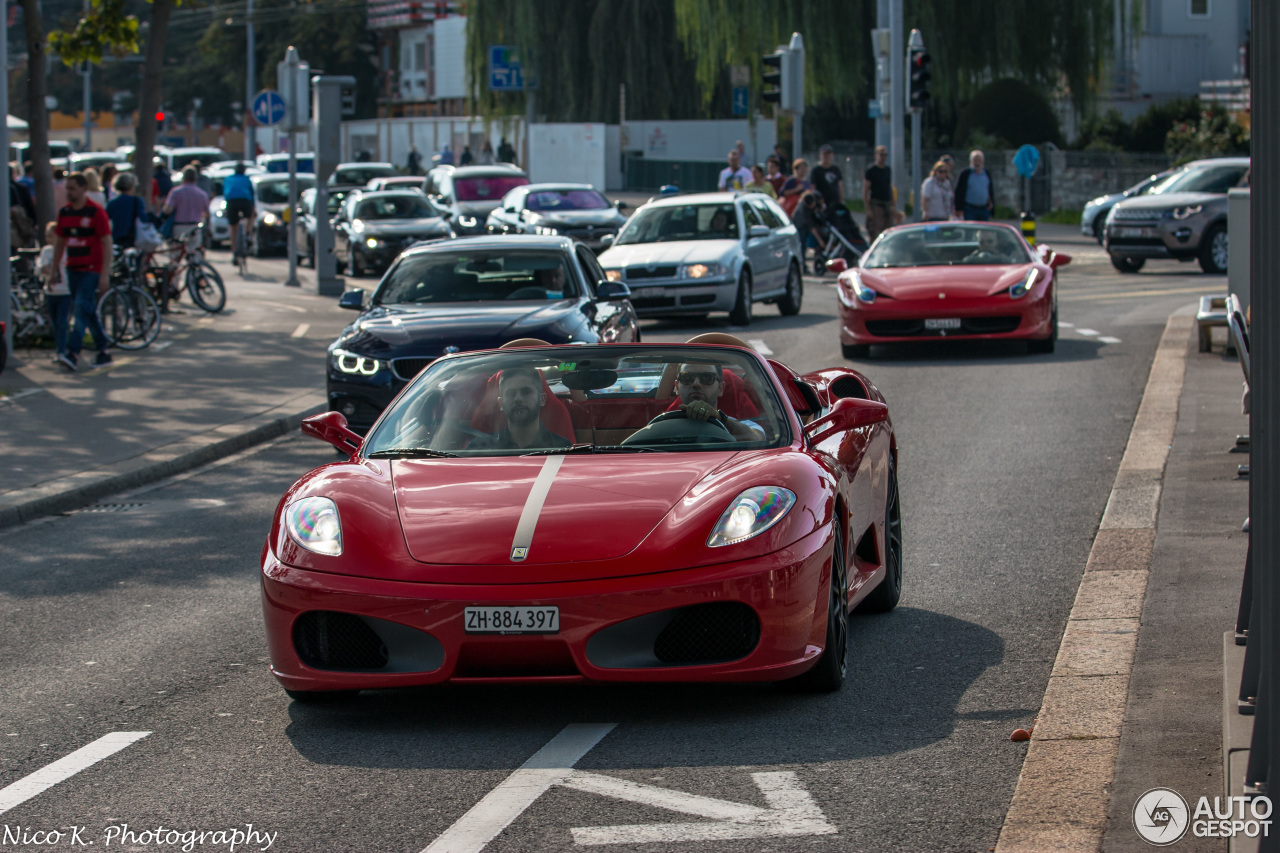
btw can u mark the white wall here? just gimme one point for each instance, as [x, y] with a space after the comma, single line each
[568, 152]
[450, 57]
[700, 140]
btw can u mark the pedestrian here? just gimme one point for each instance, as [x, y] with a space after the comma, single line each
[759, 183]
[363, 156]
[28, 180]
[795, 186]
[808, 219]
[827, 178]
[506, 153]
[446, 156]
[202, 180]
[164, 180]
[83, 241]
[742, 151]
[125, 210]
[936, 196]
[59, 189]
[486, 154]
[57, 297]
[188, 203]
[975, 191]
[109, 173]
[734, 176]
[773, 174]
[877, 193]
[95, 187]
[466, 158]
[22, 214]
[414, 164]
[783, 160]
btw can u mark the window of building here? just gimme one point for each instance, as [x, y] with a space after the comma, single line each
[1198, 8]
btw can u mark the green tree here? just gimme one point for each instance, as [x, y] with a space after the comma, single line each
[1010, 113]
[1215, 134]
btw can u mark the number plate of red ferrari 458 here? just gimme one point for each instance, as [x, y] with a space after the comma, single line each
[512, 620]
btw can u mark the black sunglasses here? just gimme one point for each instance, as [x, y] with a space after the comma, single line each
[707, 378]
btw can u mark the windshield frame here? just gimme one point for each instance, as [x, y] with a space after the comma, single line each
[369, 198]
[386, 433]
[1172, 183]
[642, 216]
[565, 193]
[889, 236]
[575, 280]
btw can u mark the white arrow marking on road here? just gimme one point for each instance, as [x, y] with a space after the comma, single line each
[760, 346]
[791, 812]
[66, 767]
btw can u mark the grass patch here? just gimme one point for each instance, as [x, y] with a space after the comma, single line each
[1065, 216]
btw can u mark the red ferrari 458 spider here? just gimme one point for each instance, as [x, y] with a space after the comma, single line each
[963, 280]
[621, 512]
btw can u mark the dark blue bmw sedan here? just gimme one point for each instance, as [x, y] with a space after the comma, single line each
[469, 294]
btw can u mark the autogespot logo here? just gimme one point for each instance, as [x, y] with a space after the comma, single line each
[1160, 816]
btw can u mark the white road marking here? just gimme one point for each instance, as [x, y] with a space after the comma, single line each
[301, 331]
[1107, 339]
[64, 768]
[18, 395]
[760, 346]
[1067, 325]
[518, 791]
[1089, 332]
[163, 345]
[791, 812]
[285, 306]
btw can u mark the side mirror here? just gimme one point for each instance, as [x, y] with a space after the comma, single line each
[1059, 260]
[332, 427]
[352, 300]
[620, 204]
[848, 413]
[612, 291]
[606, 241]
[837, 265]
[757, 231]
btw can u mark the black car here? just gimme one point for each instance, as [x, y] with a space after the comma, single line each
[372, 228]
[572, 210]
[350, 176]
[271, 197]
[469, 294]
[470, 193]
[305, 221]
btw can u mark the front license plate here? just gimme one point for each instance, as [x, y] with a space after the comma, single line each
[942, 323]
[1135, 232]
[646, 292]
[512, 620]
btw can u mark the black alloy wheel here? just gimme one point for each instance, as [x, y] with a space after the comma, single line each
[886, 594]
[1127, 265]
[828, 673]
[789, 304]
[741, 313]
[1215, 250]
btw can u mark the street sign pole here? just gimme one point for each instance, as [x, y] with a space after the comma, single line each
[897, 97]
[6, 316]
[795, 55]
[326, 147]
[250, 86]
[917, 178]
[287, 78]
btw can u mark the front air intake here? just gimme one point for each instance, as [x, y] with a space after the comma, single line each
[709, 633]
[338, 641]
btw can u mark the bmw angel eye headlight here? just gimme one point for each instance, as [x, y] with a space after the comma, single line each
[349, 362]
[751, 513]
[467, 221]
[314, 524]
[1021, 289]
[1188, 211]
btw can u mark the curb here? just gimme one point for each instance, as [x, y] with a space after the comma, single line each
[1062, 795]
[87, 487]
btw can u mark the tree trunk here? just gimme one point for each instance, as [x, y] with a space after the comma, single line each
[38, 117]
[149, 103]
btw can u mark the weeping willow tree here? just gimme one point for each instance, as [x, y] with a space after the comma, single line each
[674, 54]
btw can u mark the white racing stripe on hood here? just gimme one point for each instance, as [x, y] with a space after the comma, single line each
[533, 508]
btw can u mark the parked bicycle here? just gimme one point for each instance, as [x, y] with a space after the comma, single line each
[129, 315]
[180, 264]
[27, 309]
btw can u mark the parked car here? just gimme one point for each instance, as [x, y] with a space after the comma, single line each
[280, 162]
[60, 152]
[693, 254]
[82, 160]
[358, 175]
[271, 197]
[469, 294]
[577, 211]
[178, 158]
[471, 193]
[372, 228]
[305, 221]
[1093, 219]
[1183, 217]
[399, 182]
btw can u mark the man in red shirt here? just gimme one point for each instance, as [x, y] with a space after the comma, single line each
[84, 239]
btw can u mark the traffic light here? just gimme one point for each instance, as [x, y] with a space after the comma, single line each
[160, 120]
[776, 71]
[918, 83]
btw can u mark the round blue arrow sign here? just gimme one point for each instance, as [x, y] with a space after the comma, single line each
[1026, 160]
[268, 107]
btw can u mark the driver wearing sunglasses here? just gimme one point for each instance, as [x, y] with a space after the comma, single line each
[700, 387]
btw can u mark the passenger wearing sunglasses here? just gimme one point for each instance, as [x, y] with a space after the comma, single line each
[700, 387]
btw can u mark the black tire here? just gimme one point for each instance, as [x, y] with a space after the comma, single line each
[1047, 345]
[741, 313]
[1214, 250]
[318, 697]
[828, 673]
[310, 257]
[129, 317]
[206, 288]
[789, 304]
[1100, 229]
[353, 266]
[886, 594]
[855, 350]
[1127, 265]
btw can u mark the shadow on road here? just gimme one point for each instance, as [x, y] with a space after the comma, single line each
[978, 352]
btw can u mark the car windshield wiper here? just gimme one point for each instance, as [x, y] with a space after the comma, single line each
[593, 448]
[410, 452]
[558, 451]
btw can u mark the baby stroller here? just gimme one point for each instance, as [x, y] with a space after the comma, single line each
[843, 240]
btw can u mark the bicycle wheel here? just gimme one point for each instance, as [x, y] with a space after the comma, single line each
[144, 318]
[206, 288]
[115, 315]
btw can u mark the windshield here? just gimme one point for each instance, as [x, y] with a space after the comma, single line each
[277, 192]
[484, 276]
[671, 223]
[395, 207]
[1202, 179]
[486, 189]
[942, 245]
[360, 175]
[614, 399]
[553, 201]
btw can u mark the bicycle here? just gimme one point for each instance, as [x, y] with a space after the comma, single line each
[198, 276]
[27, 309]
[129, 315]
[241, 244]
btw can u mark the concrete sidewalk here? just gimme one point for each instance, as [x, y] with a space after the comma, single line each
[211, 385]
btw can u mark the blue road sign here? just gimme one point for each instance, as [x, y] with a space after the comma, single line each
[1026, 160]
[740, 100]
[505, 72]
[873, 108]
[268, 107]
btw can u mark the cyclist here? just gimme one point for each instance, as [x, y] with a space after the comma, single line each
[237, 189]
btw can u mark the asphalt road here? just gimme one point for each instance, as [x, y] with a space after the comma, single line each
[145, 617]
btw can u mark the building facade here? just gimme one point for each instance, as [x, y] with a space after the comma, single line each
[422, 57]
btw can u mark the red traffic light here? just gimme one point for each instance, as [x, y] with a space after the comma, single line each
[160, 118]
